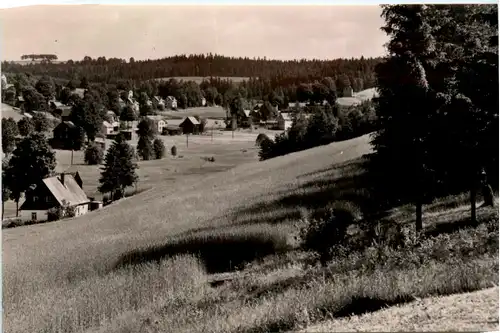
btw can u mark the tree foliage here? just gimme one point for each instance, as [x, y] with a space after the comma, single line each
[9, 133]
[159, 148]
[93, 154]
[118, 171]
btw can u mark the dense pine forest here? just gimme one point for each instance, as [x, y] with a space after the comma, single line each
[359, 72]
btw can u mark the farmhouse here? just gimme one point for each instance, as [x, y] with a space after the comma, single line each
[171, 102]
[246, 120]
[111, 116]
[190, 125]
[284, 121]
[54, 192]
[347, 92]
[62, 135]
[203, 101]
[159, 101]
[107, 128]
[159, 122]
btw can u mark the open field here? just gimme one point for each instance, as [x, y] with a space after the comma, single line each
[199, 79]
[212, 112]
[228, 153]
[9, 112]
[97, 273]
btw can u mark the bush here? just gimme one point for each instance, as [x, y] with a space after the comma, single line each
[145, 148]
[261, 138]
[173, 151]
[328, 227]
[159, 148]
[93, 155]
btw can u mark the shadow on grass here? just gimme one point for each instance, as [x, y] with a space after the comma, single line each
[484, 215]
[347, 182]
[219, 252]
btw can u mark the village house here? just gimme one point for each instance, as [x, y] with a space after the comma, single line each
[54, 192]
[190, 125]
[111, 116]
[203, 101]
[284, 121]
[107, 128]
[62, 135]
[66, 114]
[347, 92]
[171, 103]
[246, 120]
[159, 101]
[159, 122]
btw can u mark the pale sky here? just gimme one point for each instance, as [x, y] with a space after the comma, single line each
[142, 32]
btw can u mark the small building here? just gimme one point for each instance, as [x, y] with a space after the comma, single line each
[246, 120]
[347, 92]
[172, 130]
[171, 103]
[54, 192]
[159, 101]
[203, 101]
[284, 121]
[190, 125]
[66, 114]
[63, 133]
[108, 128]
[159, 122]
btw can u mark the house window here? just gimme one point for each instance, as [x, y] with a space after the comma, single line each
[33, 216]
[35, 198]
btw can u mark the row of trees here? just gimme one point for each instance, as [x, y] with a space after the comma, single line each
[326, 124]
[438, 105]
[33, 57]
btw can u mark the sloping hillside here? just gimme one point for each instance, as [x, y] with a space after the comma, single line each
[468, 312]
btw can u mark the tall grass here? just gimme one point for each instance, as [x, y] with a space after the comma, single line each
[72, 307]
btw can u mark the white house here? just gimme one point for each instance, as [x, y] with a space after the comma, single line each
[284, 121]
[203, 101]
[53, 192]
[159, 101]
[159, 122]
[107, 128]
[171, 102]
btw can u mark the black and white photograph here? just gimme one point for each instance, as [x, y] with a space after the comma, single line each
[240, 167]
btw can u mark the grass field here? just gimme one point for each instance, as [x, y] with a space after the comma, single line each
[199, 79]
[212, 112]
[228, 153]
[98, 273]
[9, 112]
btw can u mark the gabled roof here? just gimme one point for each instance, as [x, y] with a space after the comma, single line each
[69, 192]
[192, 119]
[57, 104]
[247, 113]
[286, 116]
[107, 124]
[171, 98]
[111, 113]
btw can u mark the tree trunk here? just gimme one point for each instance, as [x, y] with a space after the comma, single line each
[17, 208]
[473, 204]
[3, 208]
[487, 195]
[418, 215]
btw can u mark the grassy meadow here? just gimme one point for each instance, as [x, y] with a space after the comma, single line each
[227, 151]
[211, 112]
[9, 112]
[218, 252]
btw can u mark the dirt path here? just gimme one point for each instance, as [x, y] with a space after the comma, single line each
[476, 311]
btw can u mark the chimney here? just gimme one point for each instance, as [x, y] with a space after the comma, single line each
[62, 178]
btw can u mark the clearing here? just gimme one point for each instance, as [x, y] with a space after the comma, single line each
[212, 112]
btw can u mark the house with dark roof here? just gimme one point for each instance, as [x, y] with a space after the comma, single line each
[53, 192]
[63, 134]
[190, 125]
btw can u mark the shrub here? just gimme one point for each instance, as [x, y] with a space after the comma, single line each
[327, 228]
[173, 151]
[145, 148]
[260, 138]
[93, 154]
[159, 148]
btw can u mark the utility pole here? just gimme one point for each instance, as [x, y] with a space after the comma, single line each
[187, 140]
